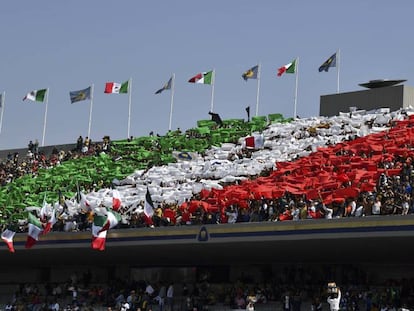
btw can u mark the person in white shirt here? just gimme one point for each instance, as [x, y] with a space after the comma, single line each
[250, 306]
[334, 299]
[295, 213]
[327, 211]
[170, 297]
[405, 205]
[232, 215]
[149, 290]
[55, 306]
[125, 306]
[376, 207]
[353, 206]
[359, 212]
[286, 302]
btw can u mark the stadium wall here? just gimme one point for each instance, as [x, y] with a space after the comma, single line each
[394, 98]
[334, 241]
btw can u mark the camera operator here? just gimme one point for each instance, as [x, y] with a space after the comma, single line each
[334, 298]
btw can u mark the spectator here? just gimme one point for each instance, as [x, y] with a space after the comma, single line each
[161, 297]
[250, 306]
[55, 306]
[334, 300]
[232, 216]
[170, 297]
[79, 144]
[286, 302]
[376, 207]
[125, 306]
[30, 146]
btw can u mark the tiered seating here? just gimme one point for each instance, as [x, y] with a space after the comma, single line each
[125, 158]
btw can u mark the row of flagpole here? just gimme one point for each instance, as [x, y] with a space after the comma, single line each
[254, 73]
[2, 101]
[201, 78]
[90, 112]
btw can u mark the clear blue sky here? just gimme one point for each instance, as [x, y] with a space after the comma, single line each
[68, 45]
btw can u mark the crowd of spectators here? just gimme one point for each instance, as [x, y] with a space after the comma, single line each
[393, 195]
[17, 165]
[293, 288]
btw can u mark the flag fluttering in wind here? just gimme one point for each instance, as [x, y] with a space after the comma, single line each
[7, 236]
[77, 96]
[51, 222]
[36, 95]
[288, 68]
[116, 88]
[251, 73]
[167, 86]
[202, 78]
[34, 230]
[149, 205]
[99, 235]
[330, 62]
[292, 67]
[112, 220]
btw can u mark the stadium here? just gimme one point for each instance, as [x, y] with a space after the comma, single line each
[230, 209]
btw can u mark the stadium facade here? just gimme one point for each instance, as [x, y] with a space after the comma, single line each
[377, 244]
[376, 97]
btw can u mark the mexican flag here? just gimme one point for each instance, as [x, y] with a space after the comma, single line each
[7, 236]
[112, 219]
[288, 68]
[116, 88]
[98, 234]
[35, 229]
[36, 95]
[51, 222]
[202, 78]
[116, 200]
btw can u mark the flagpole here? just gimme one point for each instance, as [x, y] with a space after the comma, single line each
[129, 105]
[212, 90]
[296, 87]
[258, 89]
[44, 122]
[2, 109]
[90, 112]
[337, 70]
[172, 100]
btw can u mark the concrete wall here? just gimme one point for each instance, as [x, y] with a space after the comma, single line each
[394, 97]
